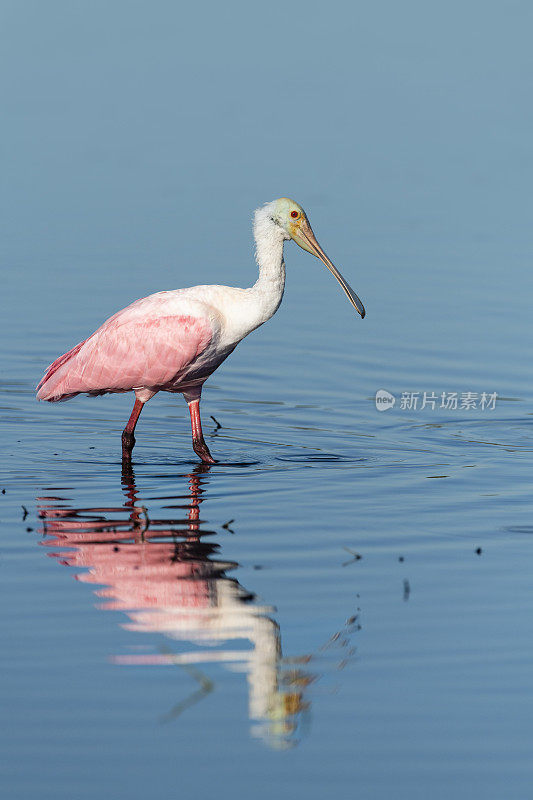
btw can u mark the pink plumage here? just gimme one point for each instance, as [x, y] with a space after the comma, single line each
[161, 342]
[137, 348]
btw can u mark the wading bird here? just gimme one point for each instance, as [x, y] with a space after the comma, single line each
[172, 341]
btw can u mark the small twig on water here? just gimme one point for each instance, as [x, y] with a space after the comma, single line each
[227, 524]
[217, 423]
[25, 510]
[355, 556]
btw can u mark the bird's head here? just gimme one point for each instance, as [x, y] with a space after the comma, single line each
[292, 218]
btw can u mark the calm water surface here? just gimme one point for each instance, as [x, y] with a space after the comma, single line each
[344, 604]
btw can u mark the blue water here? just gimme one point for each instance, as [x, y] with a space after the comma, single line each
[344, 604]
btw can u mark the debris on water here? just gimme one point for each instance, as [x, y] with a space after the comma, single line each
[217, 423]
[227, 524]
[406, 589]
[478, 551]
[29, 530]
[354, 556]
[25, 512]
[3, 491]
[401, 559]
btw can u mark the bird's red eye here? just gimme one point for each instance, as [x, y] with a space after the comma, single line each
[294, 214]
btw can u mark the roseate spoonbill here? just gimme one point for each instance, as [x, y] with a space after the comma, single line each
[172, 341]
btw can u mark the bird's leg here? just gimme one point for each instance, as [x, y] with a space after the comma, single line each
[128, 439]
[198, 443]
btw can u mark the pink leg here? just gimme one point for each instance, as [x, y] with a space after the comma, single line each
[198, 443]
[128, 439]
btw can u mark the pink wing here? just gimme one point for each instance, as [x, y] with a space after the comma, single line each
[130, 350]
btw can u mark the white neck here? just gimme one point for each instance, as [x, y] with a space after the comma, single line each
[269, 239]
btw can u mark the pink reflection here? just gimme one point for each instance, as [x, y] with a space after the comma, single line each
[162, 575]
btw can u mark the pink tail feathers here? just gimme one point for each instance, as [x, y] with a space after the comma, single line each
[49, 387]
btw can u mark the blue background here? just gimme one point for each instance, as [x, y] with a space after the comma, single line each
[137, 140]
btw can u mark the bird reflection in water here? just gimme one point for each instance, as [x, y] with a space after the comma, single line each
[162, 574]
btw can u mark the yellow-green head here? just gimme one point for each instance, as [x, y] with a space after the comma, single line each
[293, 219]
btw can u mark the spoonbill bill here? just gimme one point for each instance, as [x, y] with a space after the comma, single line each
[172, 341]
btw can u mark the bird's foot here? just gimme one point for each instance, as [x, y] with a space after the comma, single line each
[202, 450]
